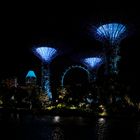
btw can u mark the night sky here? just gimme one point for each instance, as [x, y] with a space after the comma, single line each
[67, 28]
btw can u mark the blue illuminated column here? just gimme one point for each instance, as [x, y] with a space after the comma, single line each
[111, 34]
[46, 54]
[93, 64]
[45, 80]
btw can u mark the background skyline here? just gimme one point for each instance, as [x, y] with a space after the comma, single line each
[67, 27]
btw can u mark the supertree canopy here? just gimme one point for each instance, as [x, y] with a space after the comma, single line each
[92, 62]
[111, 32]
[46, 54]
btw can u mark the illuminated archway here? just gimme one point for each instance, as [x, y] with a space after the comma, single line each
[73, 67]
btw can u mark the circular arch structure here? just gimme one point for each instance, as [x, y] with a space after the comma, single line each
[73, 67]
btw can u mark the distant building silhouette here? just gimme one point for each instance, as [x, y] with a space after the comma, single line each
[31, 78]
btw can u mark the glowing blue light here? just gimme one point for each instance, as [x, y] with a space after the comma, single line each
[45, 81]
[113, 32]
[46, 54]
[92, 62]
[31, 74]
[47, 88]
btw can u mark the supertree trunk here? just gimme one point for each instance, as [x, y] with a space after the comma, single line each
[45, 82]
[112, 60]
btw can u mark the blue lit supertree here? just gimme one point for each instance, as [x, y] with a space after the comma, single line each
[93, 64]
[111, 35]
[46, 54]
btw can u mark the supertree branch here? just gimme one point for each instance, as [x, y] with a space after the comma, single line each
[92, 62]
[111, 32]
[46, 54]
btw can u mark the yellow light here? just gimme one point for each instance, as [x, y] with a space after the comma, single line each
[50, 107]
[73, 107]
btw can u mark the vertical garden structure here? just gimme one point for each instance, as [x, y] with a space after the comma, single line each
[46, 55]
[93, 64]
[111, 35]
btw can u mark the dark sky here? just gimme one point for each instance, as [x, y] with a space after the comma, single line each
[66, 26]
